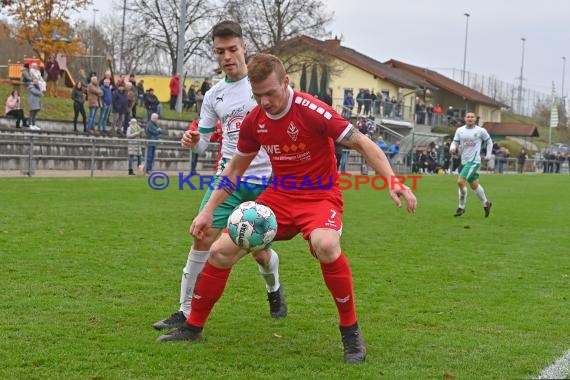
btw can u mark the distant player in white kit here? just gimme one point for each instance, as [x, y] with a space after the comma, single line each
[469, 139]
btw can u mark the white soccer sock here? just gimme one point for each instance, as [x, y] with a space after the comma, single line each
[194, 265]
[480, 192]
[462, 197]
[270, 272]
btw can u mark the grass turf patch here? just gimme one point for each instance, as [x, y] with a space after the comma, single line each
[89, 264]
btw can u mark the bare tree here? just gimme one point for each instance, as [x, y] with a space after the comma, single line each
[273, 25]
[267, 23]
[160, 19]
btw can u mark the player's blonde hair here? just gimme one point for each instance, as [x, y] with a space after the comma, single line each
[260, 67]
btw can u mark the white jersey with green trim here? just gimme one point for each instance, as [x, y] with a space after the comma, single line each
[470, 141]
[230, 101]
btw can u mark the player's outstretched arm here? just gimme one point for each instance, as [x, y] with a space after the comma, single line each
[379, 162]
[196, 141]
[227, 184]
[190, 139]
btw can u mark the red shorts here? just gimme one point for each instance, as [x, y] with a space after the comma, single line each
[304, 212]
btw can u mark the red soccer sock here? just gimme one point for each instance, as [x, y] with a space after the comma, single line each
[209, 288]
[338, 279]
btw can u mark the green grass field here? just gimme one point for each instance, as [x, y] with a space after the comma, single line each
[87, 265]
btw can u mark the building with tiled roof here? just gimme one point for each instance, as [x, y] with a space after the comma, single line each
[416, 88]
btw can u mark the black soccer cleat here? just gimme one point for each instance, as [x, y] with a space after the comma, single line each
[277, 305]
[460, 211]
[185, 332]
[354, 346]
[175, 321]
[487, 208]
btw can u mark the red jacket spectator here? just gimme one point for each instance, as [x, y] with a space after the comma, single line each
[175, 85]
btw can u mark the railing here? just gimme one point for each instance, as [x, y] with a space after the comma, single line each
[403, 163]
[399, 112]
[29, 152]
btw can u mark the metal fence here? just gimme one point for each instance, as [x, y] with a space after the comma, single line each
[403, 163]
[31, 152]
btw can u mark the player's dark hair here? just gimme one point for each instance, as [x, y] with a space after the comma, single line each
[227, 28]
[260, 66]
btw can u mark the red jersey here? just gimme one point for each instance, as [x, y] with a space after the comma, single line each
[299, 142]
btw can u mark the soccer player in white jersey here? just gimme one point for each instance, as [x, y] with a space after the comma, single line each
[468, 139]
[298, 132]
[230, 100]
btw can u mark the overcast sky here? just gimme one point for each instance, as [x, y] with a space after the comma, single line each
[432, 34]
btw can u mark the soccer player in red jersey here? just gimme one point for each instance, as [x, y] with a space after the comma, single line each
[298, 132]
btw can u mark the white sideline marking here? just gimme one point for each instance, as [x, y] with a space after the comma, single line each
[560, 369]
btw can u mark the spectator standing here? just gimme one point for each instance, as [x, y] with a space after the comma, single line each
[381, 144]
[521, 160]
[501, 158]
[135, 91]
[120, 106]
[367, 100]
[153, 132]
[26, 77]
[347, 105]
[429, 112]
[134, 132]
[558, 161]
[205, 86]
[199, 101]
[438, 112]
[78, 97]
[122, 81]
[140, 92]
[106, 105]
[131, 104]
[151, 103]
[190, 99]
[394, 150]
[37, 74]
[94, 93]
[52, 71]
[360, 101]
[14, 108]
[450, 115]
[174, 90]
[108, 75]
[34, 103]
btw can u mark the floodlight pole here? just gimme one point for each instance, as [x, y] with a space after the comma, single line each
[562, 87]
[93, 40]
[180, 54]
[122, 57]
[521, 78]
[465, 49]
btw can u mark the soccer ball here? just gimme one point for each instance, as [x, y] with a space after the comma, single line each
[252, 226]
